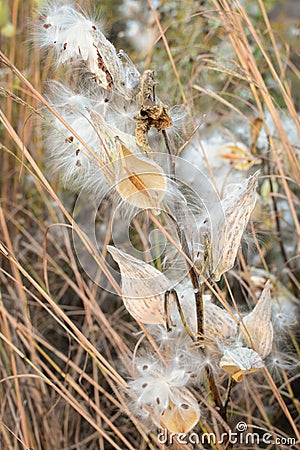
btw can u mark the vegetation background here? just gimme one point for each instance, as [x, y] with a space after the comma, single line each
[63, 341]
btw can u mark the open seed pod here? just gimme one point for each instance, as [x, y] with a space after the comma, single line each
[107, 134]
[219, 326]
[237, 206]
[239, 361]
[139, 181]
[238, 156]
[258, 324]
[143, 288]
[74, 37]
[182, 414]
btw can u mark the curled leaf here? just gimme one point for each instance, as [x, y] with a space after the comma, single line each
[143, 288]
[152, 113]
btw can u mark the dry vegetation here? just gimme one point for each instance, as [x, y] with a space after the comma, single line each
[66, 343]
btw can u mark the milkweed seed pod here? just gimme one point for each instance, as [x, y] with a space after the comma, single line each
[237, 207]
[75, 38]
[164, 390]
[257, 324]
[240, 361]
[107, 137]
[143, 288]
[219, 326]
[238, 156]
[284, 305]
[139, 181]
[182, 413]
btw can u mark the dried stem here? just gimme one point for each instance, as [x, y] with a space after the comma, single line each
[181, 313]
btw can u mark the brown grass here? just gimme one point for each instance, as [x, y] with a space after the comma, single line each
[63, 341]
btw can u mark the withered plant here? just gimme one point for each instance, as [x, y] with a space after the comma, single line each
[150, 250]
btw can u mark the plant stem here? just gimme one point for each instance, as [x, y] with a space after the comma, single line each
[228, 393]
[181, 313]
[218, 401]
[171, 154]
[198, 288]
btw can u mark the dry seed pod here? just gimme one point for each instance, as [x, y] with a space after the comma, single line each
[238, 156]
[182, 414]
[148, 84]
[140, 182]
[75, 38]
[112, 71]
[107, 134]
[143, 288]
[258, 324]
[219, 325]
[237, 208]
[239, 361]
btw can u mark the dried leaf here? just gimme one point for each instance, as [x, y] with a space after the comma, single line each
[141, 133]
[143, 288]
[258, 324]
[151, 116]
[255, 129]
[148, 84]
[238, 156]
[239, 361]
[152, 113]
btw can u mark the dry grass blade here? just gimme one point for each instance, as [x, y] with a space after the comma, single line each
[77, 372]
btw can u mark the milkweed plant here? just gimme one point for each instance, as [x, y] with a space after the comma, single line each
[186, 206]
